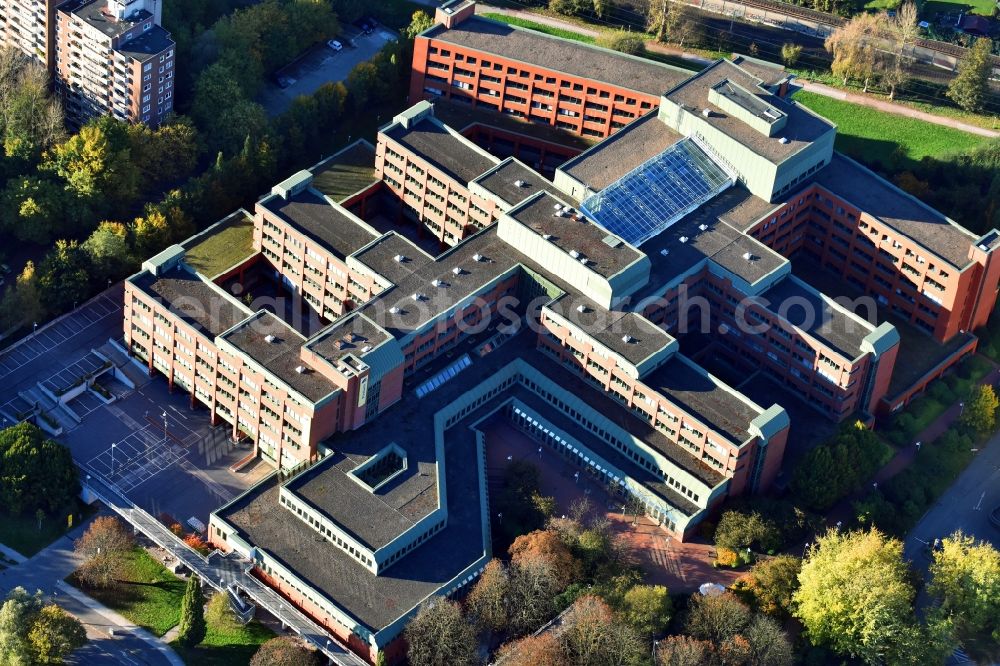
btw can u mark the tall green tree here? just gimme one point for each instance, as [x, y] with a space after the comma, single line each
[35, 472]
[192, 626]
[647, 609]
[980, 412]
[33, 209]
[64, 276]
[965, 577]
[855, 597]
[54, 635]
[17, 616]
[968, 88]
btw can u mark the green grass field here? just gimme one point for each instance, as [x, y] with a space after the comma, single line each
[981, 7]
[223, 249]
[230, 645]
[875, 136]
[149, 595]
[539, 27]
[22, 534]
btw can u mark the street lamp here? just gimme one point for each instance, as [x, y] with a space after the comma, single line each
[918, 446]
[164, 427]
[34, 328]
[500, 518]
[113, 445]
[805, 549]
[576, 477]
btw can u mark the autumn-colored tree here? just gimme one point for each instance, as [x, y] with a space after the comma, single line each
[440, 636]
[286, 651]
[647, 608]
[488, 601]
[103, 546]
[541, 650]
[593, 636]
[853, 46]
[771, 583]
[546, 547]
[533, 588]
[684, 651]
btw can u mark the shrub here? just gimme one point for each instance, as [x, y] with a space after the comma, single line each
[726, 557]
[621, 40]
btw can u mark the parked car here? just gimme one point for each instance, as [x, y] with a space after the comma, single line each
[334, 44]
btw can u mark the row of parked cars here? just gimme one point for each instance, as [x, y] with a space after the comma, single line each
[365, 24]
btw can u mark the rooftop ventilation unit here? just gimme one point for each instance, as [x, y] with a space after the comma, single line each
[747, 256]
[560, 213]
[581, 308]
[395, 310]
[547, 236]
[478, 257]
[519, 183]
[366, 349]
[683, 239]
[664, 252]
[574, 254]
[583, 260]
[418, 296]
[269, 338]
[557, 206]
[707, 113]
[436, 283]
[399, 258]
[703, 227]
[783, 139]
[300, 369]
[579, 217]
[456, 271]
[627, 339]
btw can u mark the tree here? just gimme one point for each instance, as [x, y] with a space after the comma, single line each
[31, 120]
[96, 164]
[419, 22]
[968, 88]
[489, 598]
[17, 616]
[772, 584]
[716, 618]
[35, 472]
[192, 626]
[965, 578]
[662, 17]
[286, 651]
[592, 635]
[768, 643]
[533, 588]
[838, 466]
[219, 614]
[853, 46]
[104, 546]
[546, 547]
[684, 651]
[901, 31]
[980, 412]
[107, 247]
[166, 153]
[32, 209]
[647, 609]
[440, 636]
[738, 531]
[790, 53]
[855, 596]
[541, 650]
[64, 275]
[54, 635]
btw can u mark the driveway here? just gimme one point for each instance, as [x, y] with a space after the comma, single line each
[320, 65]
[965, 506]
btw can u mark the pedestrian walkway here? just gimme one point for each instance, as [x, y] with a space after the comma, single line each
[12, 554]
[221, 571]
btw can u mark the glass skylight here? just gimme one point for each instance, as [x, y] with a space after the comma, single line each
[650, 198]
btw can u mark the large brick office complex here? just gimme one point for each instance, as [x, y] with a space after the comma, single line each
[371, 326]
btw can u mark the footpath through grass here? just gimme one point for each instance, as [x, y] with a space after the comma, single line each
[876, 136]
[148, 595]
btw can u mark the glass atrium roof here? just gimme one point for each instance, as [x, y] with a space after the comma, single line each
[651, 197]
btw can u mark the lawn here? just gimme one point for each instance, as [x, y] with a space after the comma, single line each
[871, 135]
[231, 645]
[981, 7]
[880, 5]
[230, 243]
[149, 595]
[350, 171]
[539, 27]
[22, 534]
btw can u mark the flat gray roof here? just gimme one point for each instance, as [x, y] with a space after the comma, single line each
[569, 233]
[317, 218]
[801, 129]
[351, 334]
[502, 180]
[429, 140]
[201, 304]
[561, 55]
[873, 195]
[282, 355]
[627, 149]
[720, 241]
[830, 325]
[714, 405]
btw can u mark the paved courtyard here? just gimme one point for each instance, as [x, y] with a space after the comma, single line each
[180, 468]
[681, 567]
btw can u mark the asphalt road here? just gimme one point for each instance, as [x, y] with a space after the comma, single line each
[965, 506]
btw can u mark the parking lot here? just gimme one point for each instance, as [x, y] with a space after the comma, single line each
[320, 65]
